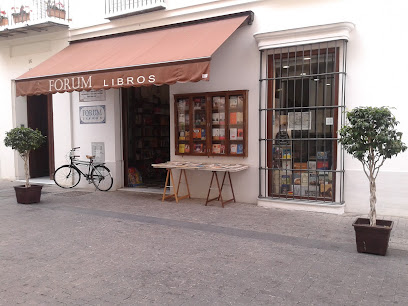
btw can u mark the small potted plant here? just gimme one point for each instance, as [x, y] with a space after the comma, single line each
[55, 9]
[21, 14]
[3, 18]
[371, 137]
[24, 140]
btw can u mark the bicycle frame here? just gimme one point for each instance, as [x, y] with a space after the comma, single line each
[90, 164]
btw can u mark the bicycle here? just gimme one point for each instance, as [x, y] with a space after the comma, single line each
[68, 176]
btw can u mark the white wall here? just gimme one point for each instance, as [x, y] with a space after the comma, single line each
[110, 133]
[17, 56]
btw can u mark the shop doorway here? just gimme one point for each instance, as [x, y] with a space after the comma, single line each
[40, 116]
[146, 134]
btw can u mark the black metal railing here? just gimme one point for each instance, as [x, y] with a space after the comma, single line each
[118, 7]
[34, 11]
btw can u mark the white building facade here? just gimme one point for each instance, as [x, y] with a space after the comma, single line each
[297, 65]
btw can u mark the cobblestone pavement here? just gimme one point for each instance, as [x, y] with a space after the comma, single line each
[81, 247]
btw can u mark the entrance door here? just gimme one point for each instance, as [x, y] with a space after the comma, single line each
[39, 116]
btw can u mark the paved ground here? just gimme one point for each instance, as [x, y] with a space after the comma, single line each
[81, 247]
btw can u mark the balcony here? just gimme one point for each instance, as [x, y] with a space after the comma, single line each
[115, 9]
[33, 16]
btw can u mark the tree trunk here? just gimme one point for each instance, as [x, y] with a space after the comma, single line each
[26, 169]
[373, 201]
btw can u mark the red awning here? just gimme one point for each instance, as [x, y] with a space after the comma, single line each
[164, 56]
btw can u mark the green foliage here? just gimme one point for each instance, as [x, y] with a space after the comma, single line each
[371, 135]
[24, 139]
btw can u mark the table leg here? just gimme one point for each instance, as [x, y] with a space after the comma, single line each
[172, 184]
[219, 197]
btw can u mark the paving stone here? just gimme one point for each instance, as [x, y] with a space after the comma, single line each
[86, 247]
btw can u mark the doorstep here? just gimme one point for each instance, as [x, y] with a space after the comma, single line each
[335, 208]
[39, 180]
[156, 190]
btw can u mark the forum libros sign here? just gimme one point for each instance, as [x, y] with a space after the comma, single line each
[83, 83]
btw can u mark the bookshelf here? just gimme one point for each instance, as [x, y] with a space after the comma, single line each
[212, 124]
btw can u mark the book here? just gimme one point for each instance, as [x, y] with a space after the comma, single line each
[322, 165]
[285, 179]
[181, 148]
[285, 188]
[233, 149]
[197, 133]
[297, 190]
[181, 105]
[187, 148]
[197, 105]
[322, 155]
[182, 118]
[299, 165]
[286, 164]
[216, 148]
[325, 178]
[240, 117]
[222, 149]
[222, 118]
[216, 102]
[203, 134]
[240, 148]
[304, 179]
[311, 165]
[222, 134]
[313, 179]
[198, 148]
[187, 134]
[215, 118]
[296, 178]
[181, 135]
[233, 101]
[240, 134]
[222, 103]
[326, 190]
[310, 191]
[286, 153]
[240, 103]
[215, 134]
[233, 118]
[233, 134]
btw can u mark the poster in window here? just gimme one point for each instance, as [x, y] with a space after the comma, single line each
[300, 120]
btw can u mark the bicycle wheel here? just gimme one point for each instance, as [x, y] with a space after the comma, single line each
[66, 176]
[101, 178]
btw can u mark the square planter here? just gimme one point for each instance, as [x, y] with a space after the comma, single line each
[28, 195]
[372, 239]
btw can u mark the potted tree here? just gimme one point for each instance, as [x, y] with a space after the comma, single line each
[371, 137]
[24, 140]
[3, 18]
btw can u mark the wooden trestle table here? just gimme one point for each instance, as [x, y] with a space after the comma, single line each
[214, 168]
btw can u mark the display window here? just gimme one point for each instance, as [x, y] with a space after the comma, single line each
[302, 122]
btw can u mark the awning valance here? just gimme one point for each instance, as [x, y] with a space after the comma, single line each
[165, 56]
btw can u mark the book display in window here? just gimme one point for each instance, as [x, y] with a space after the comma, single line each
[183, 125]
[217, 123]
[236, 113]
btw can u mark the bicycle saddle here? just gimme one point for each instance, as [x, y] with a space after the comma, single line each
[90, 157]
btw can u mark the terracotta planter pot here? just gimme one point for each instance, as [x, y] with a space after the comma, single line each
[3, 22]
[56, 13]
[21, 17]
[28, 195]
[372, 239]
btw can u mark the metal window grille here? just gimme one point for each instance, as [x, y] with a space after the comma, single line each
[301, 108]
